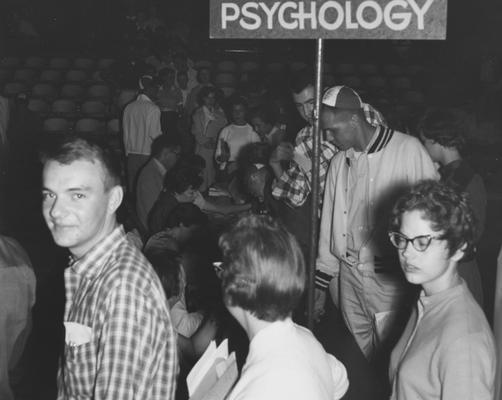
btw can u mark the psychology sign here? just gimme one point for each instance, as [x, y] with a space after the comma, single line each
[329, 19]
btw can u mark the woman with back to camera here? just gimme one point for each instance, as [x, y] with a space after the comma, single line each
[446, 351]
[442, 132]
[263, 281]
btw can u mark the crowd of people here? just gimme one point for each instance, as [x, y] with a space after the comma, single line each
[197, 228]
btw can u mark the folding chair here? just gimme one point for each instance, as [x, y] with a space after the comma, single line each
[44, 91]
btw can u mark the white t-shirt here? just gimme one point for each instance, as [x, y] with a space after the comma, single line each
[286, 362]
[236, 136]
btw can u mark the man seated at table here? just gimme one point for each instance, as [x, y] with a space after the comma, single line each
[165, 154]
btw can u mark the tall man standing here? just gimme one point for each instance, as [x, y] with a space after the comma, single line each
[141, 124]
[119, 339]
[372, 168]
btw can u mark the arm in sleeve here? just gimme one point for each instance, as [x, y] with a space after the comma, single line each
[154, 127]
[467, 370]
[420, 163]
[198, 129]
[293, 186]
[327, 265]
[222, 135]
[136, 344]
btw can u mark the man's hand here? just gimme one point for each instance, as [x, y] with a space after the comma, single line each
[283, 152]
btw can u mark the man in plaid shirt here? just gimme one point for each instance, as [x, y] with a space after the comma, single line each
[119, 339]
[293, 185]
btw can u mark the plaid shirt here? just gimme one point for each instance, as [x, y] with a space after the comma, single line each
[114, 293]
[294, 185]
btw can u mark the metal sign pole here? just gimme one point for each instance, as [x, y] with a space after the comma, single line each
[314, 216]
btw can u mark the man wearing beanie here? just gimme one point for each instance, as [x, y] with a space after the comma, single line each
[355, 259]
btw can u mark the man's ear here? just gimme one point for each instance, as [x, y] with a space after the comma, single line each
[115, 198]
[460, 253]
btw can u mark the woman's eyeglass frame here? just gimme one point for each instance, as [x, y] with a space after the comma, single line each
[420, 243]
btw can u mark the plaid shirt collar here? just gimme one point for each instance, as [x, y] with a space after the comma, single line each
[92, 262]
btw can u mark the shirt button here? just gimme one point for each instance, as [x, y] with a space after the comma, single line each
[371, 179]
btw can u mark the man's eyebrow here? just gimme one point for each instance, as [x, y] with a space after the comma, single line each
[79, 189]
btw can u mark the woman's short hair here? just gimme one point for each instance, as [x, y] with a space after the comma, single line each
[204, 92]
[264, 271]
[180, 179]
[447, 210]
[186, 214]
[443, 126]
[166, 264]
[267, 113]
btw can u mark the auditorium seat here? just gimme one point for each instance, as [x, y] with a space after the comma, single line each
[72, 91]
[25, 75]
[39, 106]
[83, 63]
[53, 76]
[76, 76]
[35, 62]
[64, 108]
[392, 69]
[297, 66]
[226, 66]
[104, 63]
[99, 92]
[275, 67]
[57, 125]
[203, 64]
[10, 62]
[89, 126]
[368, 69]
[13, 88]
[5, 75]
[44, 91]
[93, 109]
[113, 126]
[249, 66]
[351, 81]
[401, 83]
[413, 97]
[59, 63]
[345, 69]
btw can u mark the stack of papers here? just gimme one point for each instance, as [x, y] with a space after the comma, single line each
[214, 375]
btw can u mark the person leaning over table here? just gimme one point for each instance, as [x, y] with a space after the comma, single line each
[447, 350]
